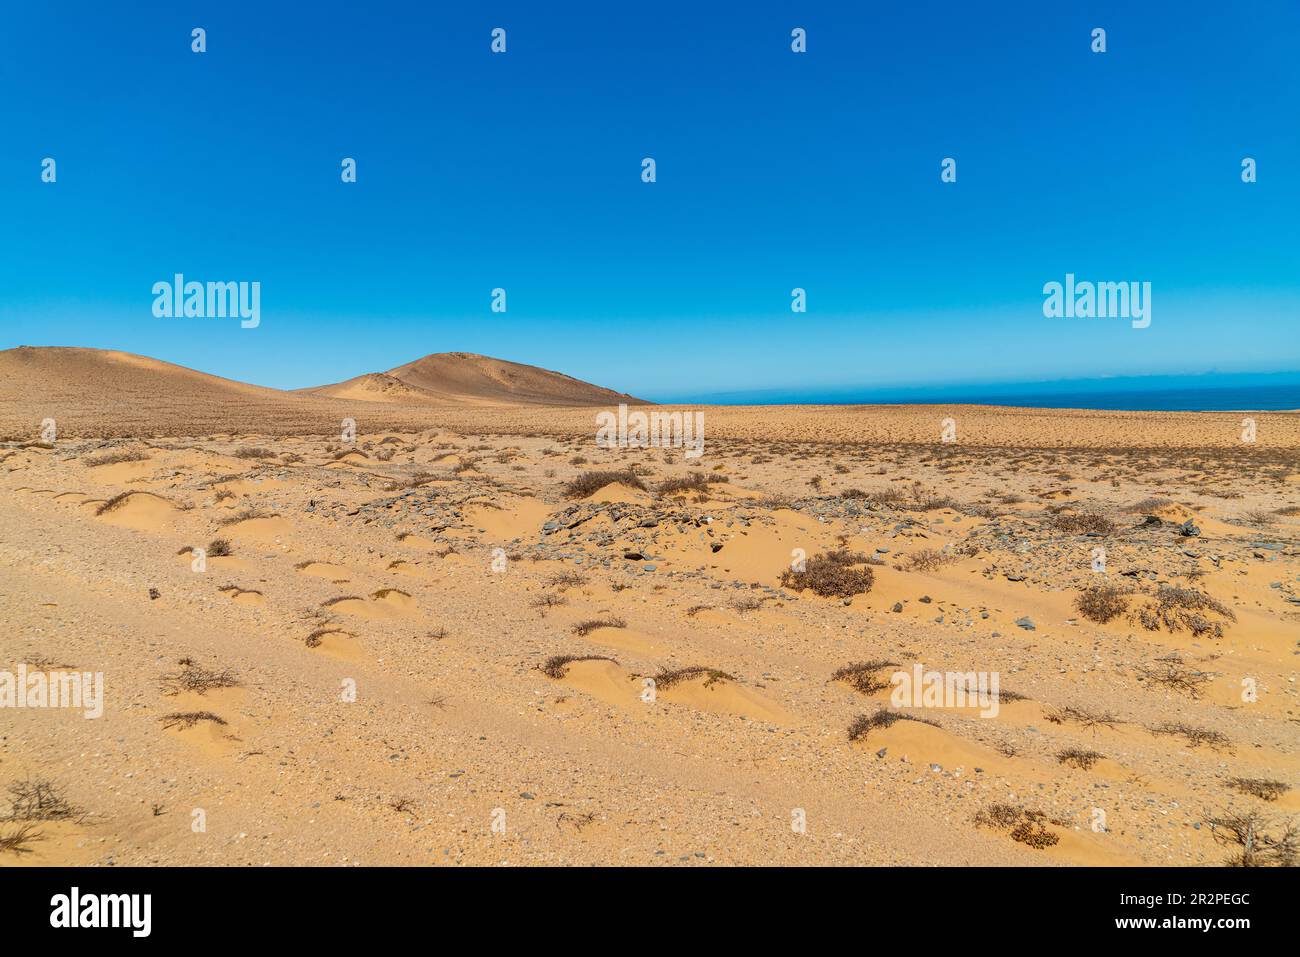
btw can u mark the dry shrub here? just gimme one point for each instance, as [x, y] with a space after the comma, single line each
[861, 676]
[548, 601]
[927, 560]
[409, 482]
[115, 502]
[113, 458]
[888, 496]
[1256, 841]
[566, 580]
[314, 639]
[667, 677]
[1193, 735]
[584, 628]
[1080, 758]
[39, 799]
[15, 840]
[1102, 603]
[1082, 523]
[1175, 609]
[253, 452]
[1085, 719]
[588, 483]
[557, 666]
[1261, 788]
[1150, 504]
[831, 575]
[864, 724]
[246, 515]
[188, 719]
[198, 679]
[1172, 673]
[691, 483]
[1024, 825]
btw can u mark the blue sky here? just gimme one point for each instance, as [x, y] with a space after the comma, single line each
[775, 170]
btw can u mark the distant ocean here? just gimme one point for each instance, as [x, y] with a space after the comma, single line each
[1207, 393]
[1257, 398]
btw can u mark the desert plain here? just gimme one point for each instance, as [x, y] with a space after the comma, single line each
[466, 634]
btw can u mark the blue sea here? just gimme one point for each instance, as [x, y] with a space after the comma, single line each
[1207, 393]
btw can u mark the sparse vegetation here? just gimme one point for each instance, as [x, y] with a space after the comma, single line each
[864, 724]
[1102, 603]
[831, 575]
[588, 483]
[584, 628]
[547, 602]
[1024, 825]
[219, 548]
[1082, 523]
[927, 560]
[246, 515]
[1088, 720]
[863, 676]
[1079, 758]
[1176, 609]
[667, 677]
[39, 799]
[409, 482]
[15, 840]
[1193, 735]
[117, 501]
[188, 719]
[197, 679]
[313, 640]
[115, 458]
[1172, 673]
[252, 452]
[1261, 788]
[691, 483]
[1255, 841]
[1148, 505]
[557, 666]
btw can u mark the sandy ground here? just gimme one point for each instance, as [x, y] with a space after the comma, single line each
[435, 568]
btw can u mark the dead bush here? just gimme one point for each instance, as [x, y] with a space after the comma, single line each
[1255, 841]
[1102, 603]
[1176, 609]
[831, 575]
[862, 676]
[557, 666]
[588, 483]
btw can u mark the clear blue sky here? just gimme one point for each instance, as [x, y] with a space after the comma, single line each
[775, 170]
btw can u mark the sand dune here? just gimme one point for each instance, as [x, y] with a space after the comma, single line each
[463, 378]
[106, 393]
